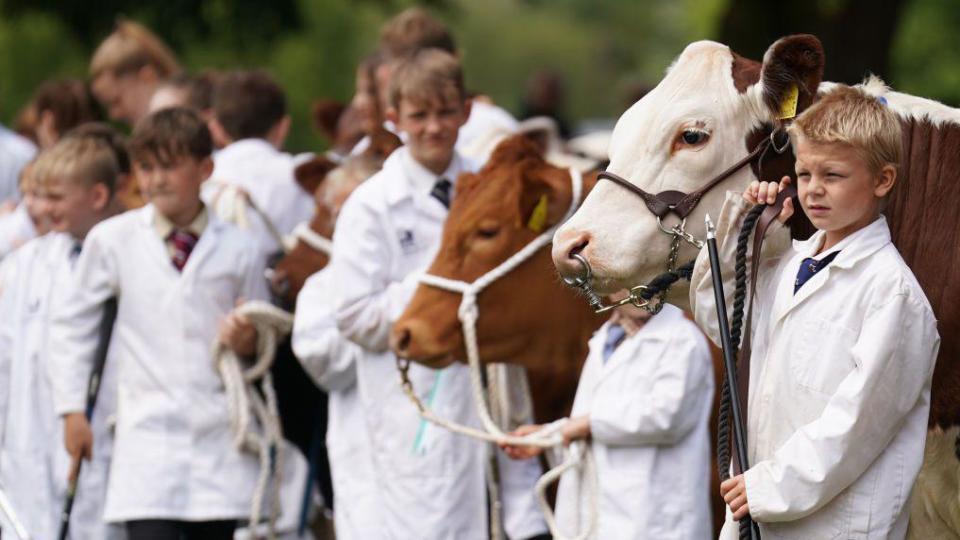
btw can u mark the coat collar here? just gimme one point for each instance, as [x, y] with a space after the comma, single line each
[206, 243]
[659, 328]
[853, 249]
[412, 180]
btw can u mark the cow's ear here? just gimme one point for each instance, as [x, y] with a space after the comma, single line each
[791, 73]
[544, 200]
[310, 174]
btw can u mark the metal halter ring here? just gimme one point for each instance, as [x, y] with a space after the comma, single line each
[583, 280]
[773, 141]
[680, 231]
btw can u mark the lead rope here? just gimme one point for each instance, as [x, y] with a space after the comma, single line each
[578, 454]
[240, 386]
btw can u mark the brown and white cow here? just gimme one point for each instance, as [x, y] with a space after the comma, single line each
[705, 115]
[527, 317]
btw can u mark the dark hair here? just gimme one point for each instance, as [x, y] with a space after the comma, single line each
[70, 102]
[169, 135]
[414, 29]
[248, 104]
[197, 89]
[108, 134]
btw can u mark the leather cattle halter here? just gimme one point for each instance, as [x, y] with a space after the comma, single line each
[660, 205]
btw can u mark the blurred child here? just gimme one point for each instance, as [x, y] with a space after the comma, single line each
[28, 220]
[250, 112]
[127, 68]
[77, 177]
[15, 152]
[177, 272]
[431, 481]
[56, 107]
[643, 403]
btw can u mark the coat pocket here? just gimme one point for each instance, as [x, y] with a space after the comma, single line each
[824, 355]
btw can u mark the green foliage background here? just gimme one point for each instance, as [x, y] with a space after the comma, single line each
[602, 47]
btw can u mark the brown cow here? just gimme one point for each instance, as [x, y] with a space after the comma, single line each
[528, 317]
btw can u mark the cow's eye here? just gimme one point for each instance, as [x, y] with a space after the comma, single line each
[693, 137]
[488, 231]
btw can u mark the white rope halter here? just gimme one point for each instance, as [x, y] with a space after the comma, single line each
[303, 233]
[549, 437]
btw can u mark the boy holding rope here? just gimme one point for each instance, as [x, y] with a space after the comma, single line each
[431, 481]
[844, 340]
[177, 272]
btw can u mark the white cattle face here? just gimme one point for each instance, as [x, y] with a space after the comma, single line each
[686, 131]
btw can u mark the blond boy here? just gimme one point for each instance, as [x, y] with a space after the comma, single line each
[844, 341]
[76, 178]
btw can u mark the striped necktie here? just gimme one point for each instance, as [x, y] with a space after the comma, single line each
[183, 243]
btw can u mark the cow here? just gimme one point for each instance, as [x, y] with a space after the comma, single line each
[719, 105]
[527, 317]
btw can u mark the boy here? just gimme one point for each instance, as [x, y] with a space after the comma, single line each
[127, 68]
[177, 272]
[250, 115]
[77, 176]
[844, 340]
[28, 220]
[432, 481]
[643, 402]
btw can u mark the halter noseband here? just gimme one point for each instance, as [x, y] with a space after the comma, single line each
[660, 205]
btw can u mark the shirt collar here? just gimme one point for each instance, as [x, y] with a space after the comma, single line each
[854, 247]
[417, 180]
[164, 226]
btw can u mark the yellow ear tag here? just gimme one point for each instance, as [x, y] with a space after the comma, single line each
[788, 107]
[538, 218]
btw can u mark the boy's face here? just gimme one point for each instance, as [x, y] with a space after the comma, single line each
[432, 127]
[838, 191]
[38, 208]
[174, 189]
[74, 206]
[126, 97]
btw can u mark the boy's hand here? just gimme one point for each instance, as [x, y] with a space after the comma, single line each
[238, 333]
[519, 451]
[734, 493]
[575, 429]
[766, 193]
[78, 440]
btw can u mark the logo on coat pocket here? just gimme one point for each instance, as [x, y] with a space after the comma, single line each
[408, 243]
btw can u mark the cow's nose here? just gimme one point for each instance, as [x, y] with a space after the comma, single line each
[400, 341]
[565, 246]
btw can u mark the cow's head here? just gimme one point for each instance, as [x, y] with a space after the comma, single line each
[492, 217]
[709, 111]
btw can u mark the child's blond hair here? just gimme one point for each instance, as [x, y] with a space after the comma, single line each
[131, 47]
[89, 160]
[849, 115]
[426, 75]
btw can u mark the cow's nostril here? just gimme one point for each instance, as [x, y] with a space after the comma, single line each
[403, 340]
[577, 248]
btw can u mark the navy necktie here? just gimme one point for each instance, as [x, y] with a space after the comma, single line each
[441, 191]
[809, 268]
[615, 335]
[75, 250]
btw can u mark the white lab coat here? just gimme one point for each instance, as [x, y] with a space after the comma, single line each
[331, 360]
[16, 229]
[649, 409]
[431, 481]
[266, 174]
[15, 152]
[839, 384]
[33, 462]
[173, 454]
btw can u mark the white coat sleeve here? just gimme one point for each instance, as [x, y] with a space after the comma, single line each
[369, 301]
[702, 301]
[671, 408]
[324, 353]
[75, 323]
[8, 270]
[894, 355]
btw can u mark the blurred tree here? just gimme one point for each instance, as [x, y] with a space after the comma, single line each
[857, 35]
